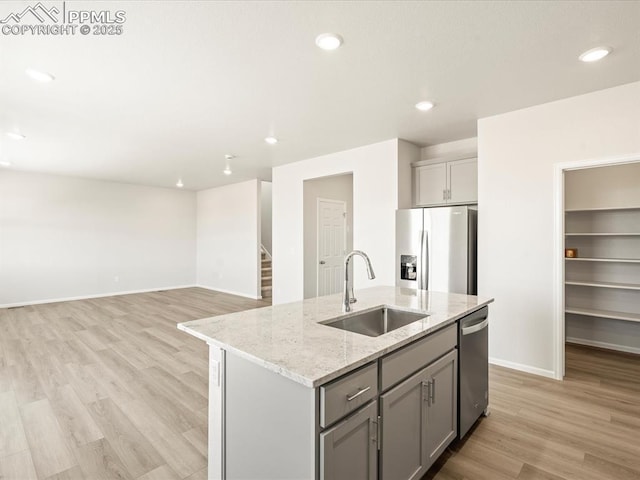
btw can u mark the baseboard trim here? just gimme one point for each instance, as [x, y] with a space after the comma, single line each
[608, 346]
[230, 292]
[89, 297]
[523, 368]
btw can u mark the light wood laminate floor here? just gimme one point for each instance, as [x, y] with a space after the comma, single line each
[586, 427]
[109, 388]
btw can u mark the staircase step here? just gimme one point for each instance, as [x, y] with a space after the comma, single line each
[266, 291]
[266, 281]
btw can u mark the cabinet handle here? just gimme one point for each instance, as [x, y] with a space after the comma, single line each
[356, 395]
[432, 393]
[444, 194]
[427, 397]
[373, 428]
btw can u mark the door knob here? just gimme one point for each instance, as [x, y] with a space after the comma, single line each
[322, 262]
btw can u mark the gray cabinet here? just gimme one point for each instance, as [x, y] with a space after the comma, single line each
[397, 414]
[448, 183]
[349, 450]
[403, 411]
[442, 402]
[418, 419]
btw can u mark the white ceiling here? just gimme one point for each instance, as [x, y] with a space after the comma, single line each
[188, 82]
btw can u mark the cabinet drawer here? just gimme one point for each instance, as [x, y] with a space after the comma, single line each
[399, 365]
[347, 393]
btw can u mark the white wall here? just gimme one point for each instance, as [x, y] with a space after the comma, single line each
[63, 237]
[265, 215]
[375, 199]
[228, 239]
[337, 187]
[517, 154]
[408, 153]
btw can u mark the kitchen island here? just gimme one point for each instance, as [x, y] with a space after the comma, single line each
[291, 397]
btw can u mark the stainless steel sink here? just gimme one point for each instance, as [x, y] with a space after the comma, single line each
[375, 322]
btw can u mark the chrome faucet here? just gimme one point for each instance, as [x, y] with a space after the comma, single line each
[347, 297]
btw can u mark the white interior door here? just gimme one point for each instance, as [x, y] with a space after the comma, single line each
[332, 243]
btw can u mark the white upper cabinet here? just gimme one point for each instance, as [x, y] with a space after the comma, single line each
[430, 184]
[454, 182]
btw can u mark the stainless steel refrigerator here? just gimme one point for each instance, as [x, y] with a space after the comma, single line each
[436, 249]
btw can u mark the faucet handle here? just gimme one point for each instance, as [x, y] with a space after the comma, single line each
[353, 300]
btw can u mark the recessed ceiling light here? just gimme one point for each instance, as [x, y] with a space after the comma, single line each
[329, 41]
[424, 106]
[271, 140]
[227, 168]
[180, 184]
[39, 76]
[16, 135]
[595, 54]
[5, 164]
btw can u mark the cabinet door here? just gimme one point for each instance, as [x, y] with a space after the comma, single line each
[403, 411]
[463, 181]
[430, 184]
[442, 405]
[349, 450]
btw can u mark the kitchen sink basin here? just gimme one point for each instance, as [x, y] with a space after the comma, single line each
[375, 322]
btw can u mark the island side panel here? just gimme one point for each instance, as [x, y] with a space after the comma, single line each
[270, 424]
[216, 466]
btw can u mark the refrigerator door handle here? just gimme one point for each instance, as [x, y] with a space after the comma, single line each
[424, 264]
[420, 265]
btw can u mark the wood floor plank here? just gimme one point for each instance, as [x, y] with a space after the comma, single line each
[74, 473]
[73, 417]
[200, 475]
[6, 383]
[198, 437]
[611, 469]
[12, 436]
[18, 466]
[530, 472]
[178, 453]
[49, 448]
[161, 473]
[99, 461]
[135, 451]
[25, 382]
[84, 384]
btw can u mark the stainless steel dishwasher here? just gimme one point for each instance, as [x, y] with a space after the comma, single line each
[473, 368]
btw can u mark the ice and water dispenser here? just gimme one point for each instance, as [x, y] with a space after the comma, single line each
[408, 264]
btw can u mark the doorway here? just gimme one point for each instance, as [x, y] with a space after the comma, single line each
[597, 247]
[328, 232]
[332, 245]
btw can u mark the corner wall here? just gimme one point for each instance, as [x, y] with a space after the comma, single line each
[265, 215]
[65, 238]
[517, 152]
[228, 239]
[375, 199]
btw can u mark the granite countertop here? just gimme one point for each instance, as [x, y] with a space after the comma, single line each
[289, 340]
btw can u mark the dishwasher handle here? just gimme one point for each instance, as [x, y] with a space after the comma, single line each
[475, 327]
